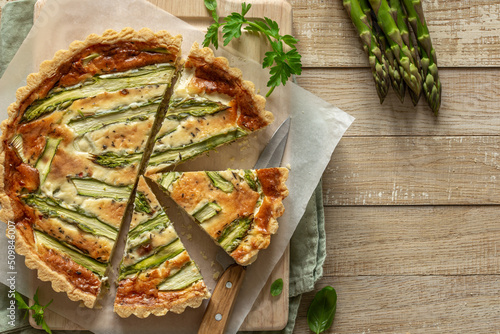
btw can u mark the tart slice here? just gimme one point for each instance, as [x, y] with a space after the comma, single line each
[99, 96]
[212, 105]
[237, 208]
[156, 274]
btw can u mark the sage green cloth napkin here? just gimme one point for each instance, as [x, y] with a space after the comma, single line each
[307, 246]
[16, 22]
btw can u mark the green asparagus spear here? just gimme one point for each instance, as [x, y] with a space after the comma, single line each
[169, 156]
[60, 98]
[431, 84]
[69, 251]
[414, 97]
[399, 16]
[77, 216]
[401, 52]
[401, 19]
[90, 187]
[378, 63]
[396, 72]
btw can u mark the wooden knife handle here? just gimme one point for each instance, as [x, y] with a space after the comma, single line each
[222, 301]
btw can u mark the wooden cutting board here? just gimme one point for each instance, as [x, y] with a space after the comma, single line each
[268, 313]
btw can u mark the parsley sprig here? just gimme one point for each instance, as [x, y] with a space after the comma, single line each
[282, 62]
[38, 310]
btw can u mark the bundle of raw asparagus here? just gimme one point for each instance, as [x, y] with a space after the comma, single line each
[400, 54]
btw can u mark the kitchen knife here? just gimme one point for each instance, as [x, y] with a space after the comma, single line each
[224, 295]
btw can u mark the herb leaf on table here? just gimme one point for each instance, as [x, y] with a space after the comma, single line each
[282, 62]
[321, 312]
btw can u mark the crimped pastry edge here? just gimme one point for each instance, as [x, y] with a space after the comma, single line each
[143, 311]
[208, 56]
[277, 211]
[45, 273]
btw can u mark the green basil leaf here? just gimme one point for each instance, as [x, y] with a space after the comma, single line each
[277, 287]
[321, 312]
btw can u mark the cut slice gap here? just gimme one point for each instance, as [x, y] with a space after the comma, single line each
[201, 248]
[136, 202]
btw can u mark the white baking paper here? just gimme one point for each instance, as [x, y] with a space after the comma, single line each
[316, 129]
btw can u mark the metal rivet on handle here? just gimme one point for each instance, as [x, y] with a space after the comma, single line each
[229, 285]
[218, 317]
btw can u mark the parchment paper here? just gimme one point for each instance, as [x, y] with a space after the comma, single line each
[316, 129]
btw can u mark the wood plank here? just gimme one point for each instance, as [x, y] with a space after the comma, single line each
[417, 240]
[470, 103]
[414, 171]
[464, 33]
[276, 10]
[251, 46]
[411, 304]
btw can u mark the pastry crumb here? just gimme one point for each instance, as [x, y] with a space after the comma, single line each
[289, 167]
[216, 275]
[204, 255]
[244, 145]
[189, 236]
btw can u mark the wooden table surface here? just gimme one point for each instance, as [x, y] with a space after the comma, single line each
[411, 200]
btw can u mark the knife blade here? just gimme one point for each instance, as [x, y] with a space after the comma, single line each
[273, 153]
[224, 295]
